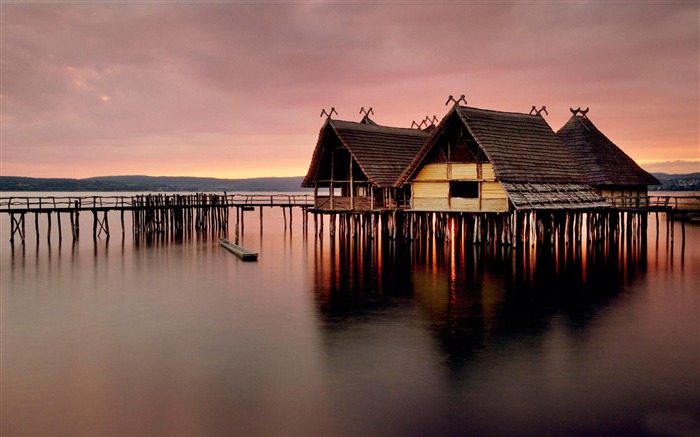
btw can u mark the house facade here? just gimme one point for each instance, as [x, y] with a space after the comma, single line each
[356, 166]
[609, 170]
[480, 160]
[475, 160]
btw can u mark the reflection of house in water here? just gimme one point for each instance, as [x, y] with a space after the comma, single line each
[468, 299]
[357, 277]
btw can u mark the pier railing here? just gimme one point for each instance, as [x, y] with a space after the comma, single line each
[656, 203]
[89, 203]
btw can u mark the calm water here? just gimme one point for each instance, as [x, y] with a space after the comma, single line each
[347, 337]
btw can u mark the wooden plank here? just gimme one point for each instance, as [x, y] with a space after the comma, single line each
[463, 204]
[487, 172]
[494, 205]
[430, 204]
[493, 190]
[431, 189]
[464, 171]
[431, 172]
[239, 251]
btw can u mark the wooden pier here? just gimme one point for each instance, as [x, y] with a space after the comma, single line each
[167, 215]
[179, 216]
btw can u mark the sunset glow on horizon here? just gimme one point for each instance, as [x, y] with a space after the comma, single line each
[234, 90]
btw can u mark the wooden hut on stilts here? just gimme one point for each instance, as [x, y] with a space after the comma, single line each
[499, 170]
[609, 170]
[479, 175]
[355, 169]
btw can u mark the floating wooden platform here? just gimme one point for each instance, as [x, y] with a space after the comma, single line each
[239, 251]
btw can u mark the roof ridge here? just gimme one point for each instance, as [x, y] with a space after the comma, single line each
[500, 112]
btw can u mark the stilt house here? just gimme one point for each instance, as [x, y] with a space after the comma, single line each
[612, 173]
[356, 166]
[480, 160]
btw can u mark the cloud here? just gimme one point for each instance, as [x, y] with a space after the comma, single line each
[166, 83]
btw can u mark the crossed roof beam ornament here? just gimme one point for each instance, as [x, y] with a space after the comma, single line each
[418, 125]
[427, 121]
[452, 99]
[329, 114]
[536, 111]
[578, 110]
[366, 112]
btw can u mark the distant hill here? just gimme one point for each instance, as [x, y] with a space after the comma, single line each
[670, 182]
[677, 182]
[150, 183]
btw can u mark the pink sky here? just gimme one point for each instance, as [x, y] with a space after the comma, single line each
[235, 90]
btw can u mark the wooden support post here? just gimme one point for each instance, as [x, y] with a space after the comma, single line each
[36, 226]
[17, 226]
[105, 222]
[352, 188]
[76, 235]
[261, 218]
[683, 220]
[48, 227]
[60, 234]
[94, 224]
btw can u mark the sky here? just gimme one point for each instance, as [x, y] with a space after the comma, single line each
[235, 89]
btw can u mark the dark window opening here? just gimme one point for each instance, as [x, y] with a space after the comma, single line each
[464, 189]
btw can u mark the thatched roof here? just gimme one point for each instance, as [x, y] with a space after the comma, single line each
[553, 196]
[602, 161]
[521, 147]
[381, 152]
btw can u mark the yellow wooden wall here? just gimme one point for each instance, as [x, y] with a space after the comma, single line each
[456, 171]
[621, 197]
[431, 188]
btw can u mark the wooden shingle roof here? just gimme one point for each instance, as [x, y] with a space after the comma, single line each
[552, 196]
[521, 147]
[381, 152]
[602, 162]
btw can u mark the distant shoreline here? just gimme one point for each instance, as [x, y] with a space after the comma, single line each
[152, 184]
[137, 183]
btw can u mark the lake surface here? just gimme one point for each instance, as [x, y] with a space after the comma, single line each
[347, 336]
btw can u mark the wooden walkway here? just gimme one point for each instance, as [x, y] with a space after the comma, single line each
[171, 214]
[18, 204]
[180, 215]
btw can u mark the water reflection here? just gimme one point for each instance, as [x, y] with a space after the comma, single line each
[473, 299]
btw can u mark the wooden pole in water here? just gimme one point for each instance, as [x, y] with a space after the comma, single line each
[36, 226]
[683, 230]
[48, 230]
[105, 222]
[261, 218]
[77, 221]
[94, 224]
